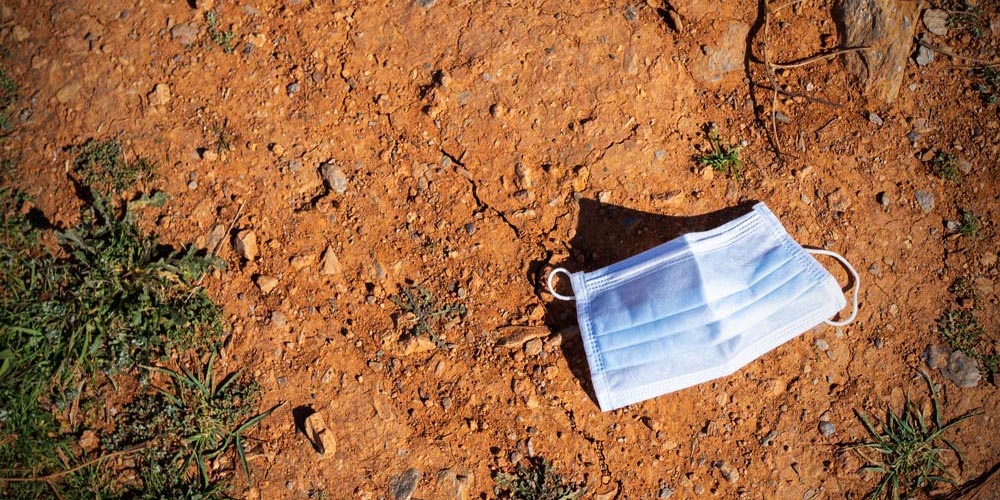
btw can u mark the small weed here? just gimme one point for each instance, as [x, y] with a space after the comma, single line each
[537, 481]
[8, 96]
[962, 331]
[909, 448]
[722, 158]
[966, 16]
[945, 166]
[223, 136]
[222, 38]
[989, 88]
[970, 225]
[963, 289]
[424, 311]
[198, 419]
[102, 166]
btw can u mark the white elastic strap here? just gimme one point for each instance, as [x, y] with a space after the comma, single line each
[552, 290]
[857, 284]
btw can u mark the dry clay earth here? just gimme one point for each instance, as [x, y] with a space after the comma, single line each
[473, 140]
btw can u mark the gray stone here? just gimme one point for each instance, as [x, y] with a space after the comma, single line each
[185, 34]
[962, 370]
[886, 26]
[426, 3]
[725, 54]
[781, 117]
[936, 357]
[768, 438]
[729, 473]
[926, 200]
[403, 485]
[964, 166]
[821, 344]
[334, 177]
[293, 88]
[876, 119]
[827, 428]
[883, 199]
[659, 154]
[924, 56]
[936, 21]
[631, 13]
[665, 492]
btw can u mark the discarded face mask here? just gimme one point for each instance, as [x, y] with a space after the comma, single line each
[700, 307]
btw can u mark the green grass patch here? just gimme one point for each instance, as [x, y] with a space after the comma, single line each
[989, 86]
[197, 418]
[423, 312]
[536, 481]
[220, 37]
[969, 226]
[966, 16]
[102, 166]
[8, 97]
[961, 329]
[945, 165]
[908, 449]
[108, 302]
[722, 158]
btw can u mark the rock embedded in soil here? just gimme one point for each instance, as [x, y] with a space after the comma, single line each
[729, 473]
[665, 492]
[319, 436]
[214, 237]
[533, 347]
[724, 55]
[416, 345]
[334, 177]
[936, 21]
[887, 27]
[924, 56]
[962, 370]
[267, 283]
[329, 263]
[827, 428]
[245, 244]
[926, 200]
[874, 118]
[160, 95]
[403, 485]
[185, 34]
[89, 441]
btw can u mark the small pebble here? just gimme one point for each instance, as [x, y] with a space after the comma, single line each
[926, 200]
[781, 117]
[821, 344]
[768, 438]
[924, 56]
[665, 492]
[470, 228]
[659, 154]
[293, 88]
[876, 119]
[631, 13]
[370, 299]
[827, 428]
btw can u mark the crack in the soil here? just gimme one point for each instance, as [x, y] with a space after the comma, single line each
[481, 205]
[597, 443]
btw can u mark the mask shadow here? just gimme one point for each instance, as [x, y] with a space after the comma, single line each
[606, 234]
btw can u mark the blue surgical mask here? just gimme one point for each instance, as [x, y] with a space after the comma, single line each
[700, 307]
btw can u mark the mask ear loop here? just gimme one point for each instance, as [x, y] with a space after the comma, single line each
[857, 284]
[552, 290]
